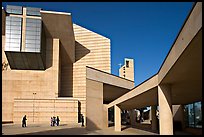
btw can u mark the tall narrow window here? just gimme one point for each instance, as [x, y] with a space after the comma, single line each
[127, 63]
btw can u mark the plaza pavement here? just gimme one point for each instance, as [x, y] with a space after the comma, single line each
[66, 129]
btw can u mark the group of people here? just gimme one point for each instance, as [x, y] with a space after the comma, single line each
[54, 121]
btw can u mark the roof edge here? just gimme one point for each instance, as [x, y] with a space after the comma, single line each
[55, 12]
[109, 73]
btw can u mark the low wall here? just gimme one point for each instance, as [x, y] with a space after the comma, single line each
[41, 110]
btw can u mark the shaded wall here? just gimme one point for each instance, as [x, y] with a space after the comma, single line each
[94, 105]
[91, 49]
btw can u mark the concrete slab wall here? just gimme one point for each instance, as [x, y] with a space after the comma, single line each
[94, 105]
[99, 76]
[92, 50]
[41, 110]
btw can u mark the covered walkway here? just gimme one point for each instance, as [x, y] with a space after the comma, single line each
[178, 82]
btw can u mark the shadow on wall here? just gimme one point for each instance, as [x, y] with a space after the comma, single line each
[66, 66]
[49, 47]
[79, 112]
[91, 125]
[80, 51]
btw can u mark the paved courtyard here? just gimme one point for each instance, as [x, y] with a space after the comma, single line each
[42, 129]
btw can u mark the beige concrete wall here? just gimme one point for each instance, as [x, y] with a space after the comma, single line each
[41, 110]
[91, 49]
[97, 75]
[127, 72]
[23, 83]
[94, 105]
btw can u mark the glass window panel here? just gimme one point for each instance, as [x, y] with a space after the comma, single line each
[14, 45]
[14, 49]
[37, 50]
[191, 115]
[30, 37]
[18, 28]
[15, 36]
[198, 115]
[31, 28]
[30, 49]
[15, 40]
[33, 13]
[30, 41]
[16, 19]
[16, 23]
[14, 9]
[8, 31]
[31, 32]
[15, 32]
[31, 45]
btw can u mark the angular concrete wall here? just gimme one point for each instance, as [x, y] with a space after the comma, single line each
[94, 105]
[92, 50]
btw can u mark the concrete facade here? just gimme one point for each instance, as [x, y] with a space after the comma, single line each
[127, 70]
[78, 80]
[63, 83]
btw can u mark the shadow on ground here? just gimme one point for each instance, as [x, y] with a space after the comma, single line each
[65, 131]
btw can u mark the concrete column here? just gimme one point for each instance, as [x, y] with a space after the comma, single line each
[165, 110]
[105, 116]
[117, 118]
[153, 117]
[133, 117]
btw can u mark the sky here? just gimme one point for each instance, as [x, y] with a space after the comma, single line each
[143, 31]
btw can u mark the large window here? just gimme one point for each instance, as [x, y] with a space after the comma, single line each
[193, 115]
[13, 33]
[33, 35]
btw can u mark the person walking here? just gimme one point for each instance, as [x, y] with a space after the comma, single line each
[82, 120]
[51, 120]
[58, 120]
[24, 121]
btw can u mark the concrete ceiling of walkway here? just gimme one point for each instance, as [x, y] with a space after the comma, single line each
[186, 74]
[111, 92]
[147, 98]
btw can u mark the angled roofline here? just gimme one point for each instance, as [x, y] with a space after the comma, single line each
[55, 12]
[109, 73]
[177, 35]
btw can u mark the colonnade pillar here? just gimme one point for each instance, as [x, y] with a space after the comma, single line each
[117, 118]
[133, 117]
[165, 110]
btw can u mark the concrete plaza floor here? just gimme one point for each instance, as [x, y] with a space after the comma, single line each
[43, 129]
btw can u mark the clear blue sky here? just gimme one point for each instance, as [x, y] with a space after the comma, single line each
[144, 31]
